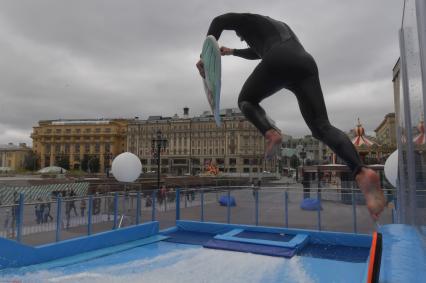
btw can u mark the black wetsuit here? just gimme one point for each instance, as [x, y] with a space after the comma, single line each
[285, 64]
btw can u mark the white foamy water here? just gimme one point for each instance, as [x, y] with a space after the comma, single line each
[186, 265]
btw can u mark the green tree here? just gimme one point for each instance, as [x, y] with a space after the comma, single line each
[94, 164]
[90, 163]
[85, 163]
[31, 161]
[63, 161]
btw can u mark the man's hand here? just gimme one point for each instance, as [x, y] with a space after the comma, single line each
[226, 51]
[200, 67]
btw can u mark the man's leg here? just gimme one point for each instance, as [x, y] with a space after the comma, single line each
[311, 103]
[260, 85]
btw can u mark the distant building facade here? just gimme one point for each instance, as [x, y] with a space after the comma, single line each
[74, 139]
[386, 135]
[315, 152]
[385, 132]
[13, 156]
[372, 150]
[196, 142]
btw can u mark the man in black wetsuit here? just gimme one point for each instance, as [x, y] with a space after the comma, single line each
[285, 64]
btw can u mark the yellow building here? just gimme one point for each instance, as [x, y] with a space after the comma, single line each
[386, 134]
[79, 139]
[13, 156]
[196, 142]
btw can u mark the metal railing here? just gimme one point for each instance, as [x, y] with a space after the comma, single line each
[338, 209]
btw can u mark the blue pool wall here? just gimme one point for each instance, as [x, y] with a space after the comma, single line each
[316, 237]
[403, 255]
[14, 254]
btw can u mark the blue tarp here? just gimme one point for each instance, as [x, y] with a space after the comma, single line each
[224, 200]
[310, 204]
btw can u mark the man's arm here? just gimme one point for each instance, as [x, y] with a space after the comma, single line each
[229, 21]
[247, 53]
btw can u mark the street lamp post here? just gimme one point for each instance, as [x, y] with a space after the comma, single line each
[305, 182]
[303, 156]
[157, 144]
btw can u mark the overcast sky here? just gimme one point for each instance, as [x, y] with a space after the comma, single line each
[92, 59]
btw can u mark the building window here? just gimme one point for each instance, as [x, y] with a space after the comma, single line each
[57, 148]
[179, 161]
[108, 130]
[68, 131]
[77, 130]
[87, 130]
[77, 148]
[246, 170]
[97, 148]
[232, 161]
[97, 130]
[67, 148]
[87, 148]
[107, 147]
[58, 131]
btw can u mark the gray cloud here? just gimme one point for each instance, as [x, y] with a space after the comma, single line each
[80, 59]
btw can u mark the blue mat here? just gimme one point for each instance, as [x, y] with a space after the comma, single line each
[297, 241]
[265, 236]
[250, 248]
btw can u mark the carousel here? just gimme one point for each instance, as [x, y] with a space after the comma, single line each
[369, 150]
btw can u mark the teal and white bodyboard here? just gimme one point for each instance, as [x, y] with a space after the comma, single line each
[211, 58]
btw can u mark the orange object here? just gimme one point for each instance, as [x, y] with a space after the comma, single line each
[375, 258]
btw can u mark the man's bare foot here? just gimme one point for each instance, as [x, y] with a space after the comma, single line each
[273, 139]
[369, 183]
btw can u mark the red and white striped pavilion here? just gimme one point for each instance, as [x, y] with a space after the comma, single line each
[360, 138]
[420, 139]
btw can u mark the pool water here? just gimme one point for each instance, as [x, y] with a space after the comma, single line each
[173, 262]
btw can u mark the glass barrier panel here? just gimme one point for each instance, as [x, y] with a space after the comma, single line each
[214, 211]
[190, 204]
[166, 207]
[271, 207]
[244, 211]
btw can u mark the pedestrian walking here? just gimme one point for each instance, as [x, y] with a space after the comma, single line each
[82, 207]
